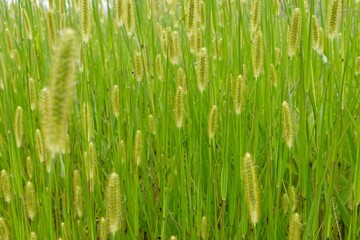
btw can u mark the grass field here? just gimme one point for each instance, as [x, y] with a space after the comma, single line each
[180, 119]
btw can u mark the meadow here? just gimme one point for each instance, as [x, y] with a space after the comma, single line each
[179, 119]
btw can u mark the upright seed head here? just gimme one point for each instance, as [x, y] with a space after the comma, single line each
[212, 122]
[293, 198]
[113, 204]
[39, 146]
[115, 100]
[179, 108]
[2, 71]
[32, 93]
[130, 17]
[287, 125]
[202, 14]
[27, 24]
[204, 228]
[196, 42]
[29, 167]
[258, 54]
[43, 107]
[294, 227]
[294, 33]
[255, 14]
[9, 43]
[320, 43]
[159, 67]
[181, 79]
[202, 70]
[51, 28]
[19, 126]
[78, 196]
[138, 145]
[315, 33]
[33, 236]
[251, 186]
[60, 98]
[139, 68]
[334, 17]
[85, 13]
[278, 55]
[273, 75]
[119, 12]
[92, 161]
[239, 93]
[4, 229]
[152, 125]
[174, 50]
[190, 17]
[87, 121]
[5, 185]
[102, 230]
[30, 200]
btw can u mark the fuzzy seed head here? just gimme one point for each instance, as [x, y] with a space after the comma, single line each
[29, 167]
[4, 230]
[5, 185]
[294, 227]
[119, 12]
[32, 93]
[255, 15]
[159, 67]
[190, 17]
[181, 79]
[27, 24]
[315, 33]
[113, 204]
[273, 75]
[287, 125]
[202, 70]
[138, 146]
[258, 54]
[179, 108]
[239, 93]
[102, 229]
[19, 126]
[152, 125]
[139, 67]
[30, 200]
[212, 122]
[33, 236]
[39, 146]
[334, 17]
[78, 196]
[85, 14]
[115, 100]
[87, 121]
[294, 33]
[204, 228]
[130, 17]
[251, 186]
[50, 20]
[60, 97]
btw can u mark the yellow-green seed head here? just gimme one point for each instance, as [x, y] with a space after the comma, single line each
[113, 204]
[30, 200]
[294, 33]
[19, 126]
[115, 101]
[258, 54]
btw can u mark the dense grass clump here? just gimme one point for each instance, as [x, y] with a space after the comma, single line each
[179, 119]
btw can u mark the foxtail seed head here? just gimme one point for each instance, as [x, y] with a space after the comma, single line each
[87, 121]
[5, 185]
[113, 204]
[251, 185]
[85, 13]
[258, 54]
[32, 93]
[139, 67]
[159, 67]
[212, 122]
[287, 125]
[77, 191]
[4, 229]
[204, 228]
[294, 227]
[190, 17]
[138, 146]
[51, 28]
[334, 17]
[102, 229]
[179, 108]
[130, 17]
[122, 151]
[27, 24]
[39, 146]
[30, 200]
[119, 12]
[202, 70]
[115, 100]
[181, 79]
[60, 98]
[315, 33]
[19, 126]
[239, 93]
[152, 125]
[273, 75]
[29, 167]
[294, 33]
[255, 14]
[33, 236]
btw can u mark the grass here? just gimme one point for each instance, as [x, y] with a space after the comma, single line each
[172, 180]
